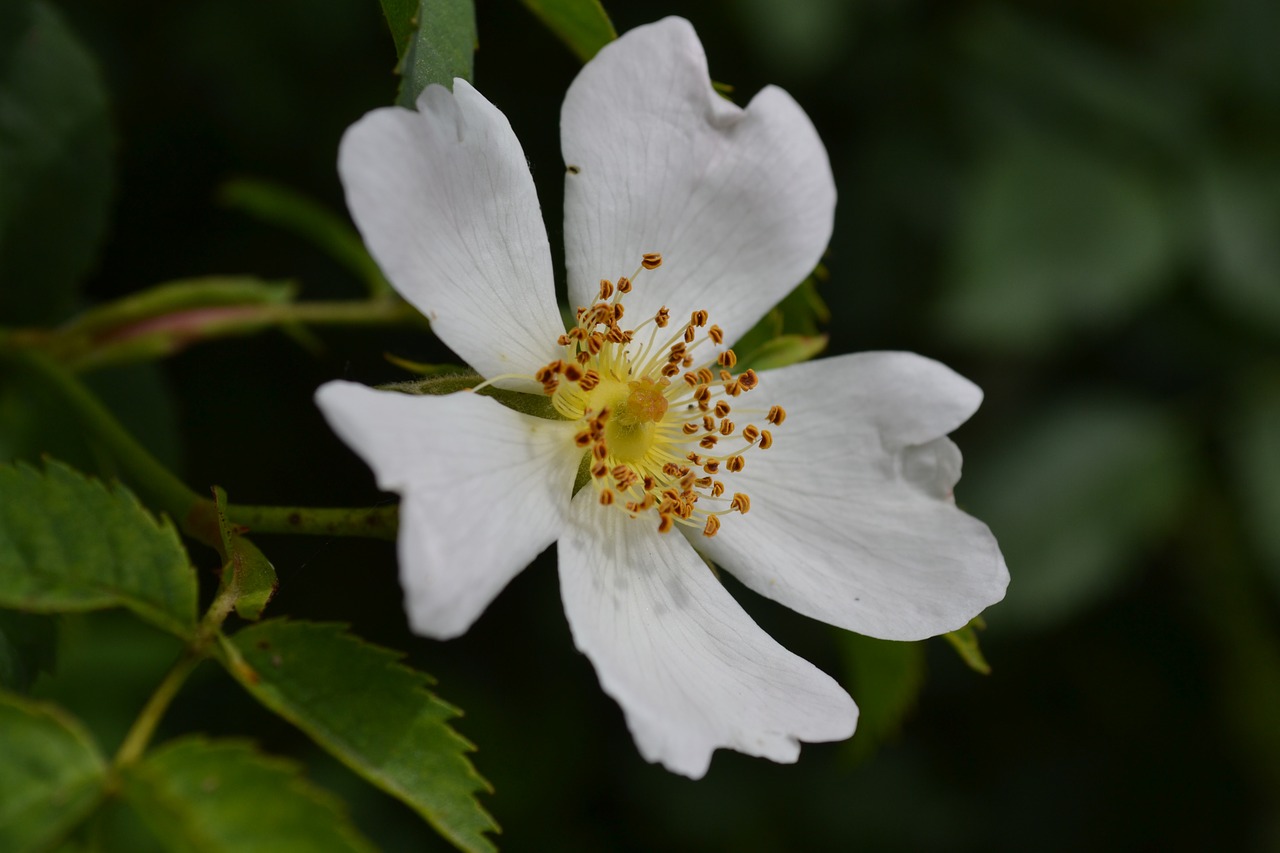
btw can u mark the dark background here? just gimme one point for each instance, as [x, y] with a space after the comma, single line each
[1075, 204]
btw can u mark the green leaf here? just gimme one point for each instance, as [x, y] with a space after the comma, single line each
[1074, 495]
[1243, 196]
[1254, 451]
[213, 796]
[1053, 240]
[28, 644]
[55, 164]
[68, 543]
[246, 571]
[372, 713]
[581, 24]
[965, 642]
[324, 229]
[440, 49]
[886, 676]
[51, 775]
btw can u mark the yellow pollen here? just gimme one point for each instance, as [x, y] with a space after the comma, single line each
[650, 440]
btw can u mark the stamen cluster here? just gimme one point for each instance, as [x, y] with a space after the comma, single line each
[655, 422]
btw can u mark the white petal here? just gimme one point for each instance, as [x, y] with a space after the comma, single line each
[851, 517]
[739, 202]
[484, 489]
[445, 202]
[690, 669]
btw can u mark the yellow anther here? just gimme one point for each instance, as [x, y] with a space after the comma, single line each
[606, 289]
[751, 432]
[741, 503]
[776, 415]
[713, 525]
[716, 334]
[726, 427]
[722, 409]
[651, 260]
[766, 439]
[727, 359]
[735, 463]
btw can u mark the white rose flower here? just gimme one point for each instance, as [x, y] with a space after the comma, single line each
[825, 486]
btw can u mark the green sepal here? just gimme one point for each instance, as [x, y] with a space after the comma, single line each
[51, 775]
[965, 642]
[70, 544]
[441, 47]
[582, 25]
[538, 405]
[886, 676]
[247, 575]
[209, 796]
[372, 713]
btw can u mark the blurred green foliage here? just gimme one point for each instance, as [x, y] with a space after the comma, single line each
[1076, 205]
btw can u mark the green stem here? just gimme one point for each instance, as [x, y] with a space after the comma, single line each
[373, 523]
[160, 489]
[144, 727]
[153, 482]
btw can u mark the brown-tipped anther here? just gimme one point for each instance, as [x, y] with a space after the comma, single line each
[712, 466]
[708, 441]
[726, 427]
[776, 415]
[648, 483]
[749, 380]
[663, 317]
[741, 503]
[733, 388]
[651, 260]
[582, 439]
[665, 522]
[699, 318]
[727, 359]
[708, 423]
[716, 334]
[751, 432]
[599, 470]
[717, 489]
[670, 370]
[600, 451]
[563, 340]
[766, 439]
[705, 376]
[624, 285]
[713, 524]
[589, 380]
[689, 429]
[735, 463]
[583, 357]
[606, 289]
[573, 372]
[687, 361]
[688, 334]
[606, 497]
[595, 343]
[722, 409]
[691, 380]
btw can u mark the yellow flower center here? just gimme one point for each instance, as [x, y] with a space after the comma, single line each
[653, 417]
